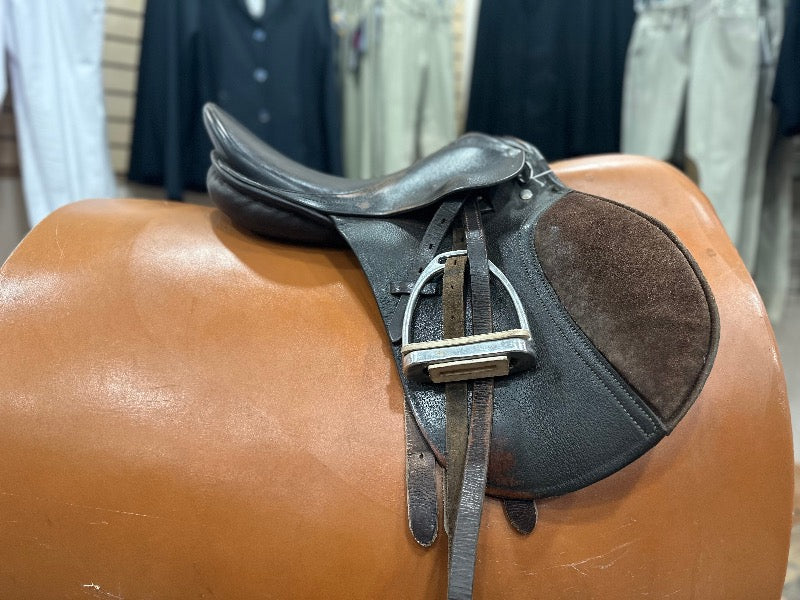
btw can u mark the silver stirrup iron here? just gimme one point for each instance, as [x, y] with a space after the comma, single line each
[470, 357]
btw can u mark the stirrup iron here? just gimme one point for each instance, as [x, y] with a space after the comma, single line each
[471, 357]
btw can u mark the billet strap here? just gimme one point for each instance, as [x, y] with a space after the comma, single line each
[456, 396]
[422, 499]
[428, 248]
[464, 539]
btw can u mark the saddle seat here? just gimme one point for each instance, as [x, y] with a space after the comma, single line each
[293, 201]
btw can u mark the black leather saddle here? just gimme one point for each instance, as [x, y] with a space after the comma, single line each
[545, 338]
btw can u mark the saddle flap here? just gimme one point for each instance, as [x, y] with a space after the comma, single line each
[624, 326]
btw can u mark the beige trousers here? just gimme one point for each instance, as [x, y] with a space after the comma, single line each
[698, 79]
[398, 82]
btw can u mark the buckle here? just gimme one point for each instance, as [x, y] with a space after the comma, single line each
[493, 354]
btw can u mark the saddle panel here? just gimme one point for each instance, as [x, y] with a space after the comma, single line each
[169, 423]
[274, 219]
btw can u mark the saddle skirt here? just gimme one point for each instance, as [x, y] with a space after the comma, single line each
[594, 335]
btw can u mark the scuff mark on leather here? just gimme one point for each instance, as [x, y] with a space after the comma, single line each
[501, 466]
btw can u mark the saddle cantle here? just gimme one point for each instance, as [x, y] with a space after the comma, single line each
[586, 333]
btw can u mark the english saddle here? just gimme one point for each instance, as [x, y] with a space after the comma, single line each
[566, 335]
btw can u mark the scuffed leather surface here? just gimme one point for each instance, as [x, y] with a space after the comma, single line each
[636, 293]
[246, 163]
[170, 428]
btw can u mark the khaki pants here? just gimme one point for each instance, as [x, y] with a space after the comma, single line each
[399, 87]
[698, 79]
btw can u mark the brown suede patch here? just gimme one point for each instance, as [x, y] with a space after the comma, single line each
[634, 293]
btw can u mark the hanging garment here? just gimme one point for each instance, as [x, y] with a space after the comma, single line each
[786, 94]
[54, 53]
[468, 23]
[274, 73]
[762, 140]
[772, 267]
[551, 73]
[398, 82]
[701, 57]
[698, 80]
[772, 272]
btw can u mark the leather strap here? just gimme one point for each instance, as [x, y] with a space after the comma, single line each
[478, 270]
[428, 248]
[522, 514]
[421, 496]
[464, 541]
[456, 398]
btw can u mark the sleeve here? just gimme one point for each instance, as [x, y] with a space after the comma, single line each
[485, 70]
